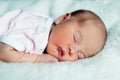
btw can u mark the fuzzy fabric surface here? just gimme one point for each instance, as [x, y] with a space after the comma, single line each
[103, 66]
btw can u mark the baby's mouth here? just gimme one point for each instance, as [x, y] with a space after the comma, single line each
[62, 52]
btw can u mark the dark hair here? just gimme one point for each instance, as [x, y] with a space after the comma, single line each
[86, 14]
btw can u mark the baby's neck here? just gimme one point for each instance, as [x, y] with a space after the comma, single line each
[45, 51]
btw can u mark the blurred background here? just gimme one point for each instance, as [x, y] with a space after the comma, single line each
[108, 10]
[105, 66]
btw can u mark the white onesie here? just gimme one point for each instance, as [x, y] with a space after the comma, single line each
[25, 31]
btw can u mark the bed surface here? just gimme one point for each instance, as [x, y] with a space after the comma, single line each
[103, 66]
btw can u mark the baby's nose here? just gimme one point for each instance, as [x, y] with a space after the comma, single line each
[64, 51]
[66, 55]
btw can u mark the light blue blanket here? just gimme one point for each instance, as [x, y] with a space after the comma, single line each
[104, 66]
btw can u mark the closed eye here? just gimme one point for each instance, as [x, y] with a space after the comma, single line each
[77, 37]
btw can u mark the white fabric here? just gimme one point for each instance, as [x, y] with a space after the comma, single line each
[25, 31]
[103, 66]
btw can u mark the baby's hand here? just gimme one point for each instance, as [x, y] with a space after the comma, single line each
[46, 58]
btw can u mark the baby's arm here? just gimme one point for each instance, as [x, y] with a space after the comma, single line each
[9, 54]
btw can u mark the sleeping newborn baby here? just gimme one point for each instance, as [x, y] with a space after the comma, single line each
[28, 37]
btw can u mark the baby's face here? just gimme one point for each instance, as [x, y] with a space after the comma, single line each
[70, 40]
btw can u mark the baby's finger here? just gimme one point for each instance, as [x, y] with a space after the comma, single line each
[45, 58]
[52, 60]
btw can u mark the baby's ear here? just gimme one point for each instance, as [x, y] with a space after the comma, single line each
[62, 18]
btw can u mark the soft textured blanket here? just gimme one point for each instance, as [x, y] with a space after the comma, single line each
[103, 66]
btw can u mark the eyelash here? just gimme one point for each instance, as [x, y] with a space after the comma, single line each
[74, 38]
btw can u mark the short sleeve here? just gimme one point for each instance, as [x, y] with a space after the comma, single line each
[5, 24]
[12, 42]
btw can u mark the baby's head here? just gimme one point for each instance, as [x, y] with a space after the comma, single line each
[77, 35]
